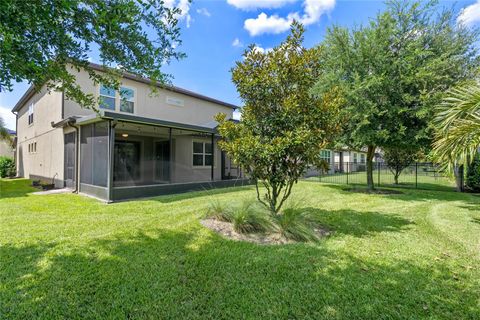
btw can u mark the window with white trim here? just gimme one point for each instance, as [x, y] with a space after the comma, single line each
[107, 98]
[127, 100]
[362, 158]
[30, 114]
[355, 158]
[202, 154]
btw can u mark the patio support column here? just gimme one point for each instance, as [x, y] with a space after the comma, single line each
[170, 155]
[111, 146]
[213, 157]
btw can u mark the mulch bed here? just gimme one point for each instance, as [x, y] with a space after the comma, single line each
[226, 230]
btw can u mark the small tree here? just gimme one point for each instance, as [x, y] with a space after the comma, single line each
[283, 127]
[397, 159]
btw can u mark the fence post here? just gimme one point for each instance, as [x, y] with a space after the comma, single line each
[378, 169]
[347, 171]
[416, 175]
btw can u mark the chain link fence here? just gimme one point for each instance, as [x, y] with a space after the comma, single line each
[420, 175]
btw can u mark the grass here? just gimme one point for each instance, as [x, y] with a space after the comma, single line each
[412, 255]
[406, 180]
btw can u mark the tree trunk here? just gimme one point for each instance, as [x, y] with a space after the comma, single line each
[370, 154]
[458, 171]
[396, 178]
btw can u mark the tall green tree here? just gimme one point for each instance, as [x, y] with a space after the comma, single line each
[283, 126]
[42, 39]
[393, 72]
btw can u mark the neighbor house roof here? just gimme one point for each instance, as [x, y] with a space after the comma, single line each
[31, 91]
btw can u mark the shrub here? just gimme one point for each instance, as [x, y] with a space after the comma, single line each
[218, 211]
[472, 180]
[298, 225]
[250, 219]
[7, 167]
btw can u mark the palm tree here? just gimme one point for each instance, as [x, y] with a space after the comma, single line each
[458, 127]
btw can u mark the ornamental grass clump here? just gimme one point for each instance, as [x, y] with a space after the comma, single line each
[218, 211]
[248, 218]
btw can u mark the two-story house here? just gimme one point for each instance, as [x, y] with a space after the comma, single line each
[137, 144]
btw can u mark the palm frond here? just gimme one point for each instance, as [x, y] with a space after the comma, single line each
[458, 122]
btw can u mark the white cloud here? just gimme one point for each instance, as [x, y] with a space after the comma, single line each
[313, 10]
[255, 4]
[204, 11]
[8, 117]
[184, 6]
[470, 14]
[262, 50]
[237, 43]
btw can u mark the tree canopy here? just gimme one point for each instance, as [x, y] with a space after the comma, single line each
[283, 126]
[41, 40]
[394, 71]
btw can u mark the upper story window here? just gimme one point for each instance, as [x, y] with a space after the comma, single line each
[202, 154]
[107, 98]
[123, 101]
[325, 155]
[127, 100]
[30, 113]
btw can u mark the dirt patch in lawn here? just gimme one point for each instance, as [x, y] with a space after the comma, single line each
[226, 229]
[375, 191]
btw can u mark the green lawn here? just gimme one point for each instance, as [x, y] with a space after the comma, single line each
[413, 255]
[424, 181]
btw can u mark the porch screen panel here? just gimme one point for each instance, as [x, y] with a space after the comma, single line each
[141, 155]
[94, 154]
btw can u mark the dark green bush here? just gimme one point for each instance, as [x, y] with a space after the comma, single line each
[472, 181]
[7, 167]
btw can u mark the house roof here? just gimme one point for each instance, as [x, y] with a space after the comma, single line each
[11, 132]
[31, 91]
[102, 114]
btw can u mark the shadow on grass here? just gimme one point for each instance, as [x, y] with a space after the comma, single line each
[414, 194]
[167, 274]
[358, 223]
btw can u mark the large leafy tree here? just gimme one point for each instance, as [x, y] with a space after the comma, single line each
[42, 39]
[283, 127]
[393, 72]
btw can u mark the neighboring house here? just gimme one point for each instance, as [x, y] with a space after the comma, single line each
[6, 149]
[350, 160]
[138, 144]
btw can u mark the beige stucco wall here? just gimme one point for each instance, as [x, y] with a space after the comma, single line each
[47, 161]
[183, 168]
[194, 111]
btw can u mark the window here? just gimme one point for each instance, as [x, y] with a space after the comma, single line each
[355, 158]
[127, 100]
[202, 154]
[325, 155]
[107, 98]
[30, 113]
[362, 158]
[29, 148]
[35, 147]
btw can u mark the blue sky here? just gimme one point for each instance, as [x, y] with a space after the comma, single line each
[216, 32]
